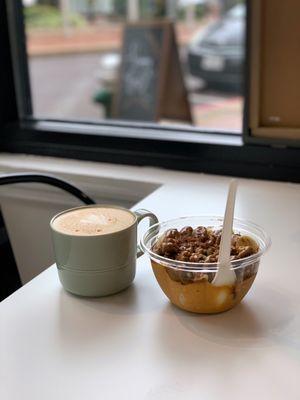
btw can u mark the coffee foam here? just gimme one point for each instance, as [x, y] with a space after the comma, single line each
[92, 221]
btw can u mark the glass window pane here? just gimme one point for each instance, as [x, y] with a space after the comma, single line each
[75, 53]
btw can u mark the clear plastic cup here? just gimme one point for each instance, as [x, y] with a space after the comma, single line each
[188, 285]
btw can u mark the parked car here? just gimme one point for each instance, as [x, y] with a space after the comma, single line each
[217, 53]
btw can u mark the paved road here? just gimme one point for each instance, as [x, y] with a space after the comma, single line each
[63, 87]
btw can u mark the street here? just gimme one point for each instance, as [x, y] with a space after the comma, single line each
[63, 87]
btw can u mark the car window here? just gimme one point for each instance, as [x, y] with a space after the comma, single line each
[239, 11]
[226, 33]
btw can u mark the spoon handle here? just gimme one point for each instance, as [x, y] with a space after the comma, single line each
[225, 245]
[225, 275]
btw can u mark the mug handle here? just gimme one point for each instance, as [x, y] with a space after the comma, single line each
[141, 214]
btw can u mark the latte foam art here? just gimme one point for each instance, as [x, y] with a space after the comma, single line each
[97, 219]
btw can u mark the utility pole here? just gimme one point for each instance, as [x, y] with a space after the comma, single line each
[190, 17]
[133, 10]
[172, 9]
[64, 6]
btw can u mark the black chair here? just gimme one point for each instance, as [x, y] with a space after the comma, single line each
[9, 274]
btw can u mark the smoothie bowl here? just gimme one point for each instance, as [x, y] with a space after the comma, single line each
[184, 258]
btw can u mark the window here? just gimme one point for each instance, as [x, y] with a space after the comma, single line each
[61, 80]
[74, 55]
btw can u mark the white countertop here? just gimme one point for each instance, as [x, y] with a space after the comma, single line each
[136, 345]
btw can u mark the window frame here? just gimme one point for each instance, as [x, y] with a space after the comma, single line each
[127, 142]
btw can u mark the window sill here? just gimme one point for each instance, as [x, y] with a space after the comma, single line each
[167, 147]
[132, 130]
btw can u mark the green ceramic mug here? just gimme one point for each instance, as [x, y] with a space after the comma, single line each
[98, 265]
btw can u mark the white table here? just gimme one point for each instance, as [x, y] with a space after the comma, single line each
[135, 345]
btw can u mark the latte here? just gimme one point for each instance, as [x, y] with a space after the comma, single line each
[93, 221]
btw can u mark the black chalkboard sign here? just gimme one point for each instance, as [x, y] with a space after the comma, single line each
[150, 70]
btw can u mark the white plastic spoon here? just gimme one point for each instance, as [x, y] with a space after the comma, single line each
[225, 275]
